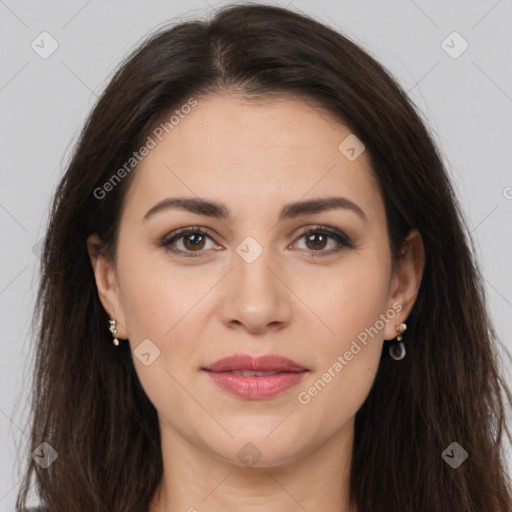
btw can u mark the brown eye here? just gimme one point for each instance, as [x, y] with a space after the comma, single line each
[192, 240]
[317, 239]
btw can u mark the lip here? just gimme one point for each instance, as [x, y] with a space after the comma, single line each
[254, 387]
[265, 363]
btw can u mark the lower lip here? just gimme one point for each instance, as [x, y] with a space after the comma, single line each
[256, 388]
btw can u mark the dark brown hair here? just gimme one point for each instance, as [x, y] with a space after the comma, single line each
[88, 403]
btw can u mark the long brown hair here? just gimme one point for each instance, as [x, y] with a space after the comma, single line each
[87, 401]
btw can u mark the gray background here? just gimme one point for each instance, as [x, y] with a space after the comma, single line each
[466, 101]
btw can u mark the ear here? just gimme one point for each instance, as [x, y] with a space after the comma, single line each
[106, 283]
[406, 281]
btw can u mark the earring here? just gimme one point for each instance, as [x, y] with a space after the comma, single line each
[113, 330]
[397, 350]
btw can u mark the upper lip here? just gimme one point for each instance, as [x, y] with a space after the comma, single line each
[265, 363]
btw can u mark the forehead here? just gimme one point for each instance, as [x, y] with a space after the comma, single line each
[254, 155]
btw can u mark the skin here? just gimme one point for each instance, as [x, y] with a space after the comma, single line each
[255, 158]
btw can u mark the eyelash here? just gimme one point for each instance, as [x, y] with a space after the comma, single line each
[340, 237]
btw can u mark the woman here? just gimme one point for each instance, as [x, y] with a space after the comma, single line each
[258, 292]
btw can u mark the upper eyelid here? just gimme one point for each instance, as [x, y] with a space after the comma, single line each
[302, 231]
[332, 232]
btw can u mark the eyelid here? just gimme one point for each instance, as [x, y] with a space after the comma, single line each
[333, 232]
[342, 239]
[176, 234]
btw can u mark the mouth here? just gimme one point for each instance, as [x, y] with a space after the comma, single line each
[250, 373]
[258, 365]
[255, 378]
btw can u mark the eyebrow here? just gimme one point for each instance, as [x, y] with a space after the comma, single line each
[209, 208]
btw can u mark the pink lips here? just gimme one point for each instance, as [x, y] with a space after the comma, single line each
[283, 373]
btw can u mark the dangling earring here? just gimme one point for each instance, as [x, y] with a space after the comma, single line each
[113, 330]
[397, 350]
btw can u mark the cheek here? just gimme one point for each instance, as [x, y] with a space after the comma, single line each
[154, 295]
[355, 309]
[162, 304]
[347, 361]
[145, 299]
[355, 300]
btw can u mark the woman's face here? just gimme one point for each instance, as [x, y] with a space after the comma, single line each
[252, 282]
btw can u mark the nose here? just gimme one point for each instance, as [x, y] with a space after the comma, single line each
[255, 297]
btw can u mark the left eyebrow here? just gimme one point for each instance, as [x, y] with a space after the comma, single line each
[209, 208]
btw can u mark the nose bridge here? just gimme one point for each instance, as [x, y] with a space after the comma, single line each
[255, 296]
[253, 261]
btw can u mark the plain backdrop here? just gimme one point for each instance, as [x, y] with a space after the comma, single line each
[464, 95]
